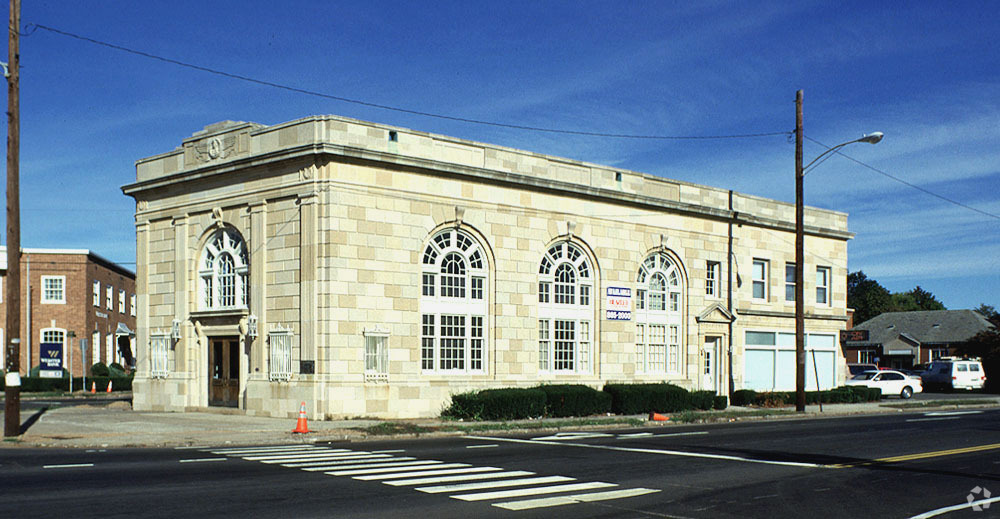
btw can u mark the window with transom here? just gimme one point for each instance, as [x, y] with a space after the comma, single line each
[658, 315]
[224, 272]
[453, 304]
[565, 310]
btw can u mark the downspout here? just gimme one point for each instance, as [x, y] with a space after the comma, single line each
[729, 293]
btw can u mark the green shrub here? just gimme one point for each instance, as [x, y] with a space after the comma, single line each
[116, 370]
[702, 400]
[497, 404]
[100, 369]
[744, 397]
[574, 400]
[647, 398]
[720, 402]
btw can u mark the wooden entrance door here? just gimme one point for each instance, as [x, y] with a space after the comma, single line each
[224, 371]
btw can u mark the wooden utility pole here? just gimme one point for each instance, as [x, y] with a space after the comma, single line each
[12, 391]
[800, 266]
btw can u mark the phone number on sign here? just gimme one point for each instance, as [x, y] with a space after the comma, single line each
[618, 315]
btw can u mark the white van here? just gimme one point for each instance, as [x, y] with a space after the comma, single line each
[951, 373]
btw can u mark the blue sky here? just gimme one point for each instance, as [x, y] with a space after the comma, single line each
[927, 74]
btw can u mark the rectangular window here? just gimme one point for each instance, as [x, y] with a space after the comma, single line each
[453, 285]
[132, 305]
[584, 346]
[712, 279]
[674, 349]
[564, 294]
[477, 288]
[280, 367]
[760, 279]
[866, 356]
[640, 299]
[121, 301]
[544, 345]
[675, 301]
[790, 282]
[95, 348]
[428, 284]
[108, 296]
[476, 343]
[544, 289]
[823, 286]
[376, 354]
[452, 342]
[97, 293]
[585, 295]
[656, 302]
[427, 342]
[640, 348]
[564, 345]
[54, 289]
[656, 350]
[159, 345]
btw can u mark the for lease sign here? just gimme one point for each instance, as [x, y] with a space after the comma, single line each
[618, 304]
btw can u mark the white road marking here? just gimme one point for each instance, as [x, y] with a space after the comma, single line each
[390, 451]
[401, 475]
[494, 484]
[656, 451]
[339, 452]
[484, 446]
[555, 489]
[426, 465]
[343, 461]
[202, 447]
[933, 419]
[234, 450]
[68, 466]
[528, 504]
[464, 477]
[572, 436]
[404, 464]
[635, 435]
[692, 433]
[960, 506]
[311, 457]
[951, 413]
[200, 460]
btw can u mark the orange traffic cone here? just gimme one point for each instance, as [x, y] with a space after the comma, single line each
[657, 417]
[109, 386]
[301, 426]
[93, 387]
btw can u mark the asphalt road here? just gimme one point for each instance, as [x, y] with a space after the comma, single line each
[898, 465]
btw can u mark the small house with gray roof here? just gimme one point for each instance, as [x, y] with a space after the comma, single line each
[901, 340]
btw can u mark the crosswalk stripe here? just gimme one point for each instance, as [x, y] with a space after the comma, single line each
[528, 504]
[465, 477]
[377, 477]
[299, 455]
[494, 484]
[431, 464]
[342, 460]
[266, 449]
[406, 464]
[501, 494]
[314, 457]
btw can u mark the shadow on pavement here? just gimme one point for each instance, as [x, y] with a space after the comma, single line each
[32, 419]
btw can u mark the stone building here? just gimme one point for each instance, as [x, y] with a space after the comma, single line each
[69, 295]
[370, 270]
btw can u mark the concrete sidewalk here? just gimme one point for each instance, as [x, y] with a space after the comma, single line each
[113, 424]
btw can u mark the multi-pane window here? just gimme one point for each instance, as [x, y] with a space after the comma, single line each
[108, 297]
[95, 348]
[823, 285]
[54, 289]
[712, 279]
[376, 355]
[97, 293]
[121, 301]
[132, 305]
[760, 279]
[565, 310]
[223, 272]
[789, 282]
[659, 314]
[159, 345]
[453, 303]
[280, 367]
[866, 356]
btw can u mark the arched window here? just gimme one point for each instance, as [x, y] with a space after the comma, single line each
[224, 272]
[658, 316]
[453, 304]
[565, 310]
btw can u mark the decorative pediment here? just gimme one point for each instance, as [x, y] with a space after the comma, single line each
[716, 313]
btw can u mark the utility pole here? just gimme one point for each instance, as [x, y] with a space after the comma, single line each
[12, 391]
[800, 264]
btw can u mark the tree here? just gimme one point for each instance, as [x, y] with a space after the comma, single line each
[986, 346]
[925, 300]
[867, 297]
[989, 312]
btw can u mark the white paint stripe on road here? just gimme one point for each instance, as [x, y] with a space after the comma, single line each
[655, 451]
[232, 450]
[951, 413]
[342, 461]
[277, 451]
[201, 460]
[692, 433]
[528, 504]
[465, 477]
[555, 489]
[406, 464]
[194, 448]
[314, 457]
[390, 451]
[462, 487]
[338, 452]
[635, 435]
[401, 475]
[933, 419]
[960, 506]
[482, 446]
[68, 466]
[340, 465]
[428, 465]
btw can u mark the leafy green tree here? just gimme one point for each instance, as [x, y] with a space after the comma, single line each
[989, 312]
[925, 300]
[986, 346]
[867, 297]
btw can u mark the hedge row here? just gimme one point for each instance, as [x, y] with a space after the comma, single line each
[38, 384]
[578, 400]
[838, 395]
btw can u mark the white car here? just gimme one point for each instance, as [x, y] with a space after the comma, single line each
[889, 381]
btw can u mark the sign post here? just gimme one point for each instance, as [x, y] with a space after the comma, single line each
[83, 361]
[71, 335]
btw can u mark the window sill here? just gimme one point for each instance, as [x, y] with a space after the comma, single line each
[221, 312]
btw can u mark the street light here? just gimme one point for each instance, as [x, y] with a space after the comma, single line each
[800, 320]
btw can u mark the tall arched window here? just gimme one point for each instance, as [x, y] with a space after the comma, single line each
[223, 272]
[565, 310]
[658, 315]
[453, 304]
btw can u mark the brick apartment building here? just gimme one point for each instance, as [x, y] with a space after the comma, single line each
[73, 291]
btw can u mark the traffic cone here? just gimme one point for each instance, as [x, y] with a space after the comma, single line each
[657, 417]
[93, 387]
[109, 386]
[301, 426]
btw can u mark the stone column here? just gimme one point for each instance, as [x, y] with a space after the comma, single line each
[257, 244]
[308, 263]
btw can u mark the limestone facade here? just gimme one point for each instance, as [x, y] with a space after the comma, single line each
[370, 270]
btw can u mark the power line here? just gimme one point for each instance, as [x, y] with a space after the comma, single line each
[901, 181]
[30, 28]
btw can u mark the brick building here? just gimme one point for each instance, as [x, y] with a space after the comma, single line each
[374, 270]
[73, 290]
